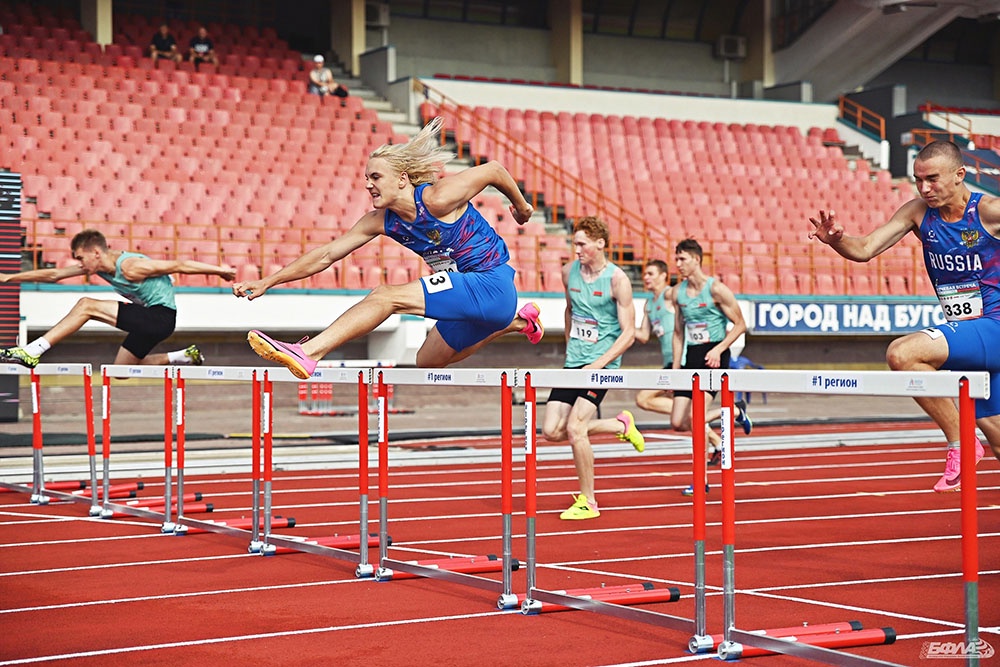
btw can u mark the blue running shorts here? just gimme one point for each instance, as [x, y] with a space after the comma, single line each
[470, 306]
[970, 343]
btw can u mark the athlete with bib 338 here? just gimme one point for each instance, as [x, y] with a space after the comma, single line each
[960, 233]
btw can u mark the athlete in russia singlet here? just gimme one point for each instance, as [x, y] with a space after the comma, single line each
[963, 263]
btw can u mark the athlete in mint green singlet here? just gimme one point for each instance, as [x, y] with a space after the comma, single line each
[148, 319]
[658, 322]
[704, 308]
[600, 326]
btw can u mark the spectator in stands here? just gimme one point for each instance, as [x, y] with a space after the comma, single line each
[163, 45]
[658, 322]
[471, 292]
[703, 309]
[150, 317]
[959, 231]
[321, 81]
[201, 49]
[600, 326]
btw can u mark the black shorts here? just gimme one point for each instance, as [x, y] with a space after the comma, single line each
[147, 326]
[695, 361]
[569, 396]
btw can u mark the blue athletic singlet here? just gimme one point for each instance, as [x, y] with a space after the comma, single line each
[157, 291]
[661, 324]
[594, 325]
[963, 263]
[471, 292]
[704, 322]
[468, 244]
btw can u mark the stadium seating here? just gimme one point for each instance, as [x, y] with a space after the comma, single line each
[237, 164]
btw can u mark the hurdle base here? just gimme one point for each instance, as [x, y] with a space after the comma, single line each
[107, 513]
[180, 529]
[531, 607]
[168, 527]
[255, 547]
[701, 644]
[364, 571]
[268, 550]
[95, 511]
[507, 601]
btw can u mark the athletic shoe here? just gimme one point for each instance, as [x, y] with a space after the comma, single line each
[689, 491]
[580, 509]
[18, 356]
[743, 419]
[195, 355]
[631, 433]
[715, 457]
[533, 329]
[289, 355]
[952, 478]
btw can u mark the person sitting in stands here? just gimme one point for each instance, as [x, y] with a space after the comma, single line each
[163, 45]
[321, 81]
[202, 49]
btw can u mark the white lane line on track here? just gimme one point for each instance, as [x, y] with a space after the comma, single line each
[170, 596]
[251, 637]
[108, 566]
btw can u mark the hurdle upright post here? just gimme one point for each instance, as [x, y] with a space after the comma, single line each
[255, 543]
[88, 404]
[699, 476]
[728, 510]
[970, 528]
[383, 470]
[507, 598]
[168, 449]
[267, 412]
[179, 408]
[106, 511]
[530, 485]
[364, 569]
[38, 472]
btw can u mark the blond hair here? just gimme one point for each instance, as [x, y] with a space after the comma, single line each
[421, 158]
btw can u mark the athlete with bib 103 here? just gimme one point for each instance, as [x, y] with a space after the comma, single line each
[471, 292]
[960, 233]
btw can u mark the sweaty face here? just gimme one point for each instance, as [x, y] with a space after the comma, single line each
[937, 179]
[381, 181]
[89, 258]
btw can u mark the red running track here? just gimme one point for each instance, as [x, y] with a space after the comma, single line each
[823, 535]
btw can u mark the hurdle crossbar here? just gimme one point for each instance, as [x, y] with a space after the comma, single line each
[963, 386]
[503, 379]
[531, 379]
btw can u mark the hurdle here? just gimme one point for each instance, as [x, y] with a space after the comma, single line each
[37, 490]
[965, 386]
[614, 602]
[456, 570]
[108, 508]
[262, 522]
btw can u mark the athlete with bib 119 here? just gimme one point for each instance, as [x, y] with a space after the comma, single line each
[960, 233]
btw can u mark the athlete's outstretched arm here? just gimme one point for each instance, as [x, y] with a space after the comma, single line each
[863, 248]
[43, 275]
[318, 259]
